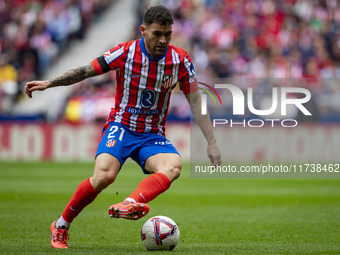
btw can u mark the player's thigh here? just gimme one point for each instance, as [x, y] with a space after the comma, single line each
[167, 163]
[105, 171]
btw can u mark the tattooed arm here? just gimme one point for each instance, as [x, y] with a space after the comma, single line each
[70, 77]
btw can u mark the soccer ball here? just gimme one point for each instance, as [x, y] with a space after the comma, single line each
[160, 233]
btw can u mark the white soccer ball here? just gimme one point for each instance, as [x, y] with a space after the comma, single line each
[160, 233]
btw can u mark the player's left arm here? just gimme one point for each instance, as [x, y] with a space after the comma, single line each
[204, 123]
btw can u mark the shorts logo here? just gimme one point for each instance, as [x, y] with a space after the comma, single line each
[110, 143]
[163, 143]
[167, 81]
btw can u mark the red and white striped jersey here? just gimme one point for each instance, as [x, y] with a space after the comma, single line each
[144, 84]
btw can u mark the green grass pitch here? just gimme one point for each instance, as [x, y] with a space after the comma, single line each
[215, 216]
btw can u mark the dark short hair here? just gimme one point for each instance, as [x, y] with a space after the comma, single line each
[158, 14]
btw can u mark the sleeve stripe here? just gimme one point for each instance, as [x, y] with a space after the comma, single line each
[105, 67]
[187, 65]
[97, 67]
[100, 65]
[114, 55]
[192, 81]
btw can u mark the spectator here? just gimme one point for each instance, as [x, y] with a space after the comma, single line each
[34, 33]
[42, 42]
[8, 83]
[260, 39]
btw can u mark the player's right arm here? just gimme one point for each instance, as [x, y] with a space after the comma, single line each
[68, 78]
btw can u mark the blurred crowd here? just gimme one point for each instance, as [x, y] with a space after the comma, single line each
[241, 40]
[247, 39]
[253, 38]
[225, 39]
[34, 34]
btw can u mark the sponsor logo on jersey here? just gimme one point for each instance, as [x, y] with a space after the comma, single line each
[110, 143]
[148, 98]
[167, 81]
[143, 112]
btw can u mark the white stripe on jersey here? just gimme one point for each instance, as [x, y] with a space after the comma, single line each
[143, 78]
[148, 127]
[161, 116]
[158, 88]
[114, 55]
[126, 91]
[175, 71]
[175, 68]
[141, 86]
[148, 119]
[187, 66]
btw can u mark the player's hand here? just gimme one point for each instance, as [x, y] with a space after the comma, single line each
[35, 85]
[214, 155]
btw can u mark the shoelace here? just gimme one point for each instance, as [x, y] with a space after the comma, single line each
[62, 235]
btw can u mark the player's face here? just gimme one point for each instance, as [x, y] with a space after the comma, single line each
[156, 38]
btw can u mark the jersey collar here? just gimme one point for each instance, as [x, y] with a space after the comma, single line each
[142, 47]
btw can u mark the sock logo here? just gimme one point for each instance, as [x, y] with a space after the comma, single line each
[142, 196]
[74, 210]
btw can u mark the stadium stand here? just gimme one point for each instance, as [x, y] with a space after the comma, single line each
[34, 34]
[41, 39]
[278, 39]
[228, 39]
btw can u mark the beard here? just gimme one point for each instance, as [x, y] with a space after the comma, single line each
[155, 50]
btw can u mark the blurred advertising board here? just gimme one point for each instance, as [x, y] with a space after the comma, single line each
[66, 142]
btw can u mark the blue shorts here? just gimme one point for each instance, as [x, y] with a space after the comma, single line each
[122, 143]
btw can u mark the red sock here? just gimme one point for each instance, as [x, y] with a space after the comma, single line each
[150, 188]
[83, 196]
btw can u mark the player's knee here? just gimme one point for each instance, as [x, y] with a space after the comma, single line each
[176, 172]
[103, 176]
[173, 172]
[107, 179]
[102, 181]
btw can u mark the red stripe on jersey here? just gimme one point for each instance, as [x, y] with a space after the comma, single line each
[144, 85]
[164, 97]
[151, 84]
[135, 81]
[119, 65]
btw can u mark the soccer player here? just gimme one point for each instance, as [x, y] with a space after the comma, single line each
[148, 70]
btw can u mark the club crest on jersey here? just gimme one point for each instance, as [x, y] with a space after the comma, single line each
[110, 143]
[167, 80]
